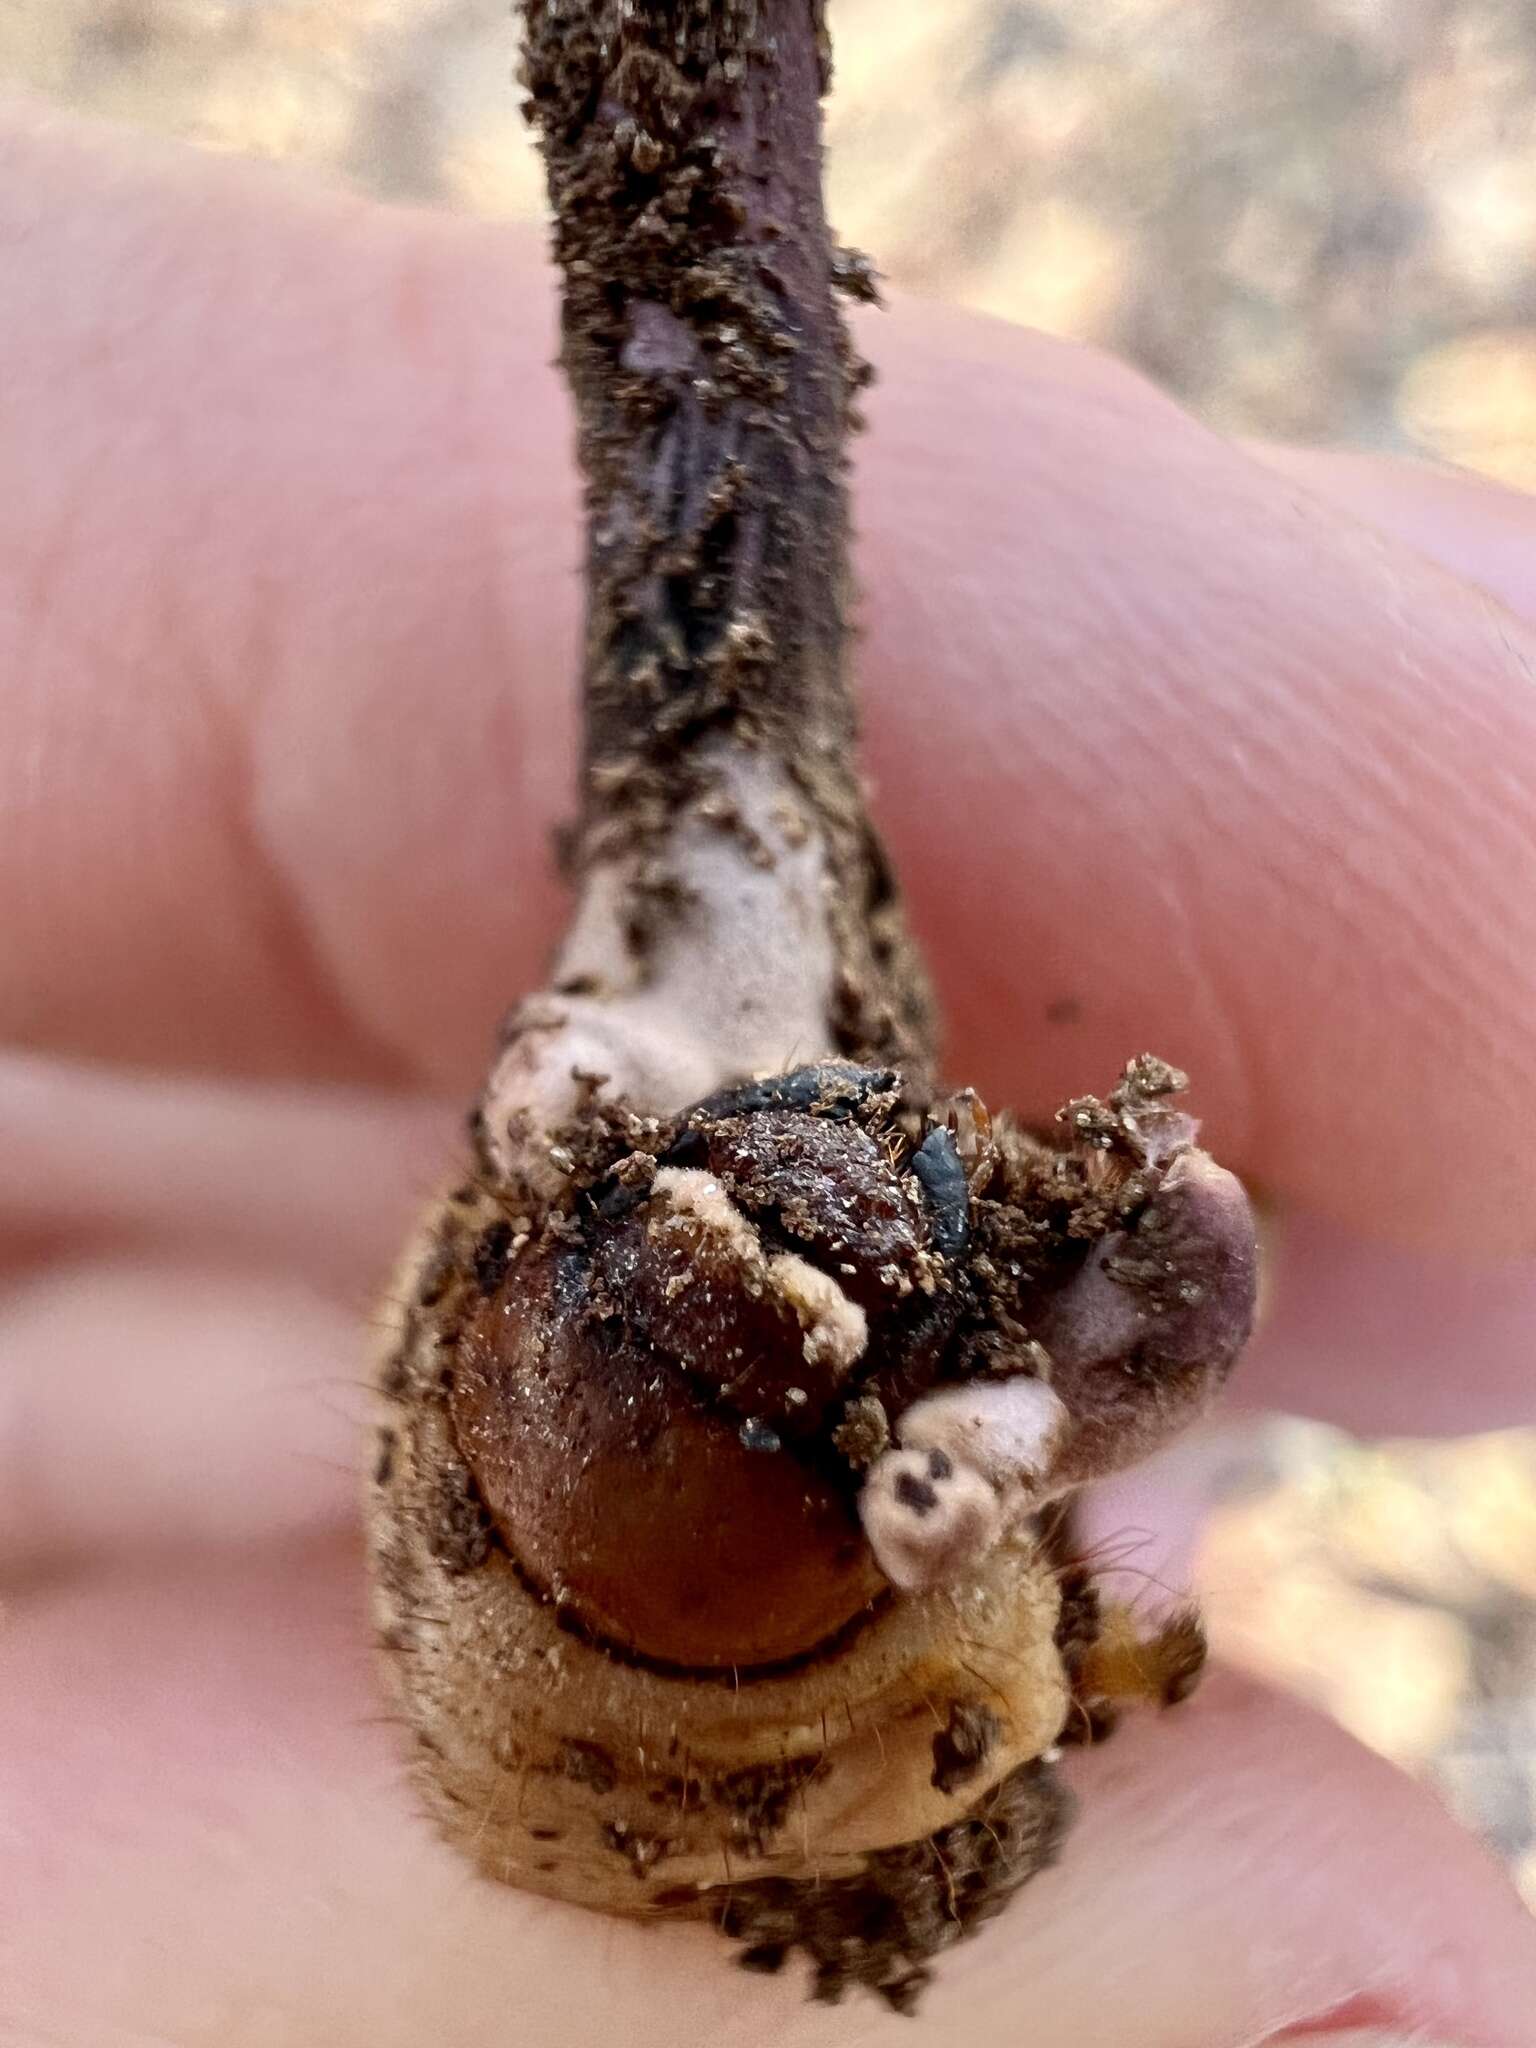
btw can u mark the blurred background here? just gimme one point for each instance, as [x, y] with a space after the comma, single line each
[1312, 219]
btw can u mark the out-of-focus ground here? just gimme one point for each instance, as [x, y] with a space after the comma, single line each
[1394, 1585]
[1309, 218]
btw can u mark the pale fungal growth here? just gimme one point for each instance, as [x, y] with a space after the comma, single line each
[726, 1392]
[974, 1461]
[697, 1211]
[929, 1521]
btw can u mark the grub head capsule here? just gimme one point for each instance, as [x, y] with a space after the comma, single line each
[646, 1396]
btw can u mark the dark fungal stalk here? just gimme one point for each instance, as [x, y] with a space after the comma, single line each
[715, 384]
[728, 1396]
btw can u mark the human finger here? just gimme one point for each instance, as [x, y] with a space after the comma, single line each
[1215, 768]
[317, 1183]
[209, 1839]
[1171, 751]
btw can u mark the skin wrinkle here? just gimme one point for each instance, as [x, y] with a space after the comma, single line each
[327, 1180]
[319, 832]
[217, 741]
[31, 762]
[281, 912]
[1467, 526]
[321, 947]
[258, 1445]
[296, 937]
[1326, 478]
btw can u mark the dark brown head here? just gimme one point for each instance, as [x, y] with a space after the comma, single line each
[648, 1396]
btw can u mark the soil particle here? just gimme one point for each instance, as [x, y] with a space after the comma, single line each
[641, 1852]
[882, 1928]
[963, 1744]
[588, 1763]
[864, 1433]
[758, 1800]
[459, 1533]
[493, 1249]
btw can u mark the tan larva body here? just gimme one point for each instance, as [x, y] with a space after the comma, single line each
[727, 1405]
[561, 1767]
